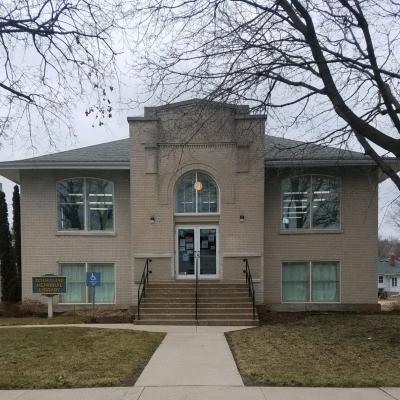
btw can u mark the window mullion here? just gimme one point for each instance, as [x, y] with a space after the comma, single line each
[196, 192]
[311, 201]
[87, 289]
[310, 281]
[85, 205]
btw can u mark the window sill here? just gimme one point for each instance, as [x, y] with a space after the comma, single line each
[85, 304]
[311, 302]
[179, 218]
[310, 231]
[85, 233]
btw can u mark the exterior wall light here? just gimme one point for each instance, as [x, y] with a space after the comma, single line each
[152, 220]
[241, 218]
[198, 185]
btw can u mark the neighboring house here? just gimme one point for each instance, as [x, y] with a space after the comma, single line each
[389, 275]
[199, 187]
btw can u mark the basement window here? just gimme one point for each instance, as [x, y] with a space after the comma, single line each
[310, 282]
[78, 293]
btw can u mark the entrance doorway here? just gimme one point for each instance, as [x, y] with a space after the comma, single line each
[196, 251]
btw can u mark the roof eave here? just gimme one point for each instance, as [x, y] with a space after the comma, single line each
[66, 165]
[317, 163]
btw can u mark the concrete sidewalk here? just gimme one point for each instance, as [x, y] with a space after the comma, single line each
[204, 393]
[189, 359]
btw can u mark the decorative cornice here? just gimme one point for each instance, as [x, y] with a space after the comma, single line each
[198, 145]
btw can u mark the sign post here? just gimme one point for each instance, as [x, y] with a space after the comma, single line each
[93, 279]
[49, 285]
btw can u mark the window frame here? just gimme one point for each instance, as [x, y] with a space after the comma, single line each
[380, 279]
[310, 262]
[85, 231]
[86, 264]
[218, 212]
[393, 279]
[311, 229]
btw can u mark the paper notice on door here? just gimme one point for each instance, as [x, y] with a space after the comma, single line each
[189, 246]
[204, 244]
[185, 257]
[182, 243]
[211, 238]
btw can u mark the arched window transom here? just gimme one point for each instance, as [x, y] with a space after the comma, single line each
[196, 193]
[85, 204]
[311, 202]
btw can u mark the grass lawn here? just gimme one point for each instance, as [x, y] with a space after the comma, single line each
[32, 358]
[60, 319]
[321, 350]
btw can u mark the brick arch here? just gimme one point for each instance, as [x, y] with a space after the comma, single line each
[224, 179]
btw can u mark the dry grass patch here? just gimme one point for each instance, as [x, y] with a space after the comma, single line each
[33, 358]
[346, 350]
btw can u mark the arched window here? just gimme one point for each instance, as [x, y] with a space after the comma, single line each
[196, 193]
[311, 202]
[85, 204]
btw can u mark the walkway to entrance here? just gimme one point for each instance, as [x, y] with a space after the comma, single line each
[197, 357]
[195, 363]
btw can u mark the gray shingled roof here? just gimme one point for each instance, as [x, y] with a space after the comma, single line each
[384, 267]
[116, 152]
[282, 149]
[278, 151]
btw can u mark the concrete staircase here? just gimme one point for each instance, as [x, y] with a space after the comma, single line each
[174, 303]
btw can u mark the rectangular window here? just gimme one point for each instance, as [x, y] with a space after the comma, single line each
[85, 204]
[394, 282]
[311, 202]
[77, 292]
[295, 281]
[76, 278]
[380, 279]
[325, 282]
[316, 282]
[325, 203]
[71, 205]
[296, 194]
[99, 205]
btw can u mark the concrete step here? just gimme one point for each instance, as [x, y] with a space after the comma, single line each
[163, 316]
[232, 322]
[205, 291]
[200, 311]
[191, 284]
[205, 296]
[209, 322]
[164, 322]
[189, 306]
[200, 316]
[149, 304]
[192, 305]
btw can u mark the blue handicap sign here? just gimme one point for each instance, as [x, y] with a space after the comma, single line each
[93, 279]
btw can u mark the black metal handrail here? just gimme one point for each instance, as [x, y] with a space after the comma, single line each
[249, 283]
[197, 283]
[144, 281]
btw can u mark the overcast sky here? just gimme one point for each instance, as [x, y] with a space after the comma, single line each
[117, 128]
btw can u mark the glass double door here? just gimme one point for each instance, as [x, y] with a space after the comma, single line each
[197, 251]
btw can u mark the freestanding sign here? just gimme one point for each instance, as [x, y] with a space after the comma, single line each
[49, 285]
[93, 279]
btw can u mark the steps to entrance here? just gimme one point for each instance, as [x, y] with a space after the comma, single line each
[175, 304]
